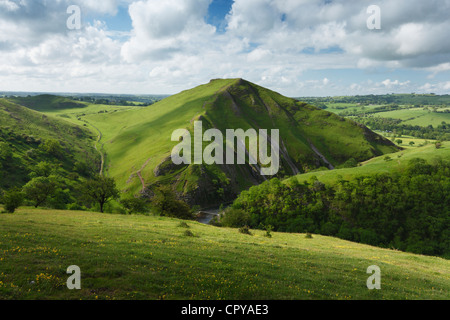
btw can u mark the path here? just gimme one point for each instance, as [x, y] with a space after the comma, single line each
[139, 174]
[99, 138]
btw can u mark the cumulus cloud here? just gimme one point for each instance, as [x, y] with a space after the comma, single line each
[272, 42]
[161, 28]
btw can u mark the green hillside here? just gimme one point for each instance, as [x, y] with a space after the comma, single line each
[137, 257]
[28, 138]
[138, 142]
[397, 163]
[47, 102]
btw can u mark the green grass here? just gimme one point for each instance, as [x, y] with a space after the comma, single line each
[380, 165]
[138, 257]
[24, 129]
[47, 102]
[417, 117]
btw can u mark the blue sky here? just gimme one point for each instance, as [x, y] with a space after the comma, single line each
[298, 48]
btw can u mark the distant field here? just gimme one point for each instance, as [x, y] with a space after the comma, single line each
[138, 257]
[341, 107]
[407, 139]
[417, 116]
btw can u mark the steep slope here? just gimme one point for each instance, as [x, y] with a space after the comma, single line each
[309, 138]
[28, 137]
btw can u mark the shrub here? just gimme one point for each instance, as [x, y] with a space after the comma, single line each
[269, 229]
[351, 163]
[183, 225]
[188, 233]
[134, 205]
[12, 199]
[245, 230]
[76, 207]
[234, 218]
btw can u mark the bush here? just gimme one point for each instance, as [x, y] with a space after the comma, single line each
[183, 225]
[134, 205]
[245, 230]
[188, 233]
[12, 200]
[269, 229]
[234, 218]
[351, 163]
[76, 207]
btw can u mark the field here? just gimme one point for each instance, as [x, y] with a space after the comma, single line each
[417, 117]
[139, 257]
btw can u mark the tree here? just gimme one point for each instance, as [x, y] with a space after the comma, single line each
[399, 141]
[52, 147]
[411, 143]
[12, 199]
[39, 189]
[166, 204]
[100, 190]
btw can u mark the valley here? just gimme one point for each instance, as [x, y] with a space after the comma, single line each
[328, 149]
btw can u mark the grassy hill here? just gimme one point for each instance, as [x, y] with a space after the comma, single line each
[25, 139]
[47, 102]
[138, 142]
[138, 257]
[379, 164]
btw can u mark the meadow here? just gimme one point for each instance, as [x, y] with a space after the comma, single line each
[151, 257]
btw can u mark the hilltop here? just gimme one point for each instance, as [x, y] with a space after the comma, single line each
[138, 142]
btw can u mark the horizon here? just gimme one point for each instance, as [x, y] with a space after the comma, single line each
[315, 48]
[66, 94]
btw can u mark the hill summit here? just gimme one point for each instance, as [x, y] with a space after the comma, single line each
[139, 144]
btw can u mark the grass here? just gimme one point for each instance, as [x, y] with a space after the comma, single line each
[417, 117]
[137, 257]
[380, 165]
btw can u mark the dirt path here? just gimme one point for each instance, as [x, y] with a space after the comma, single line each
[99, 138]
[139, 174]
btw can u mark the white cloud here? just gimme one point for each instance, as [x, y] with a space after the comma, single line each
[163, 28]
[272, 42]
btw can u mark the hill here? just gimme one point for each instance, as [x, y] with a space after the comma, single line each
[380, 164]
[137, 257]
[47, 102]
[28, 138]
[398, 201]
[138, 142]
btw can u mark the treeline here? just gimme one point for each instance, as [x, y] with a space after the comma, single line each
[408, 210]
[441, 132]
[118, 101]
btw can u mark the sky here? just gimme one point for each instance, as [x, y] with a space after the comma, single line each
[295, 47]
